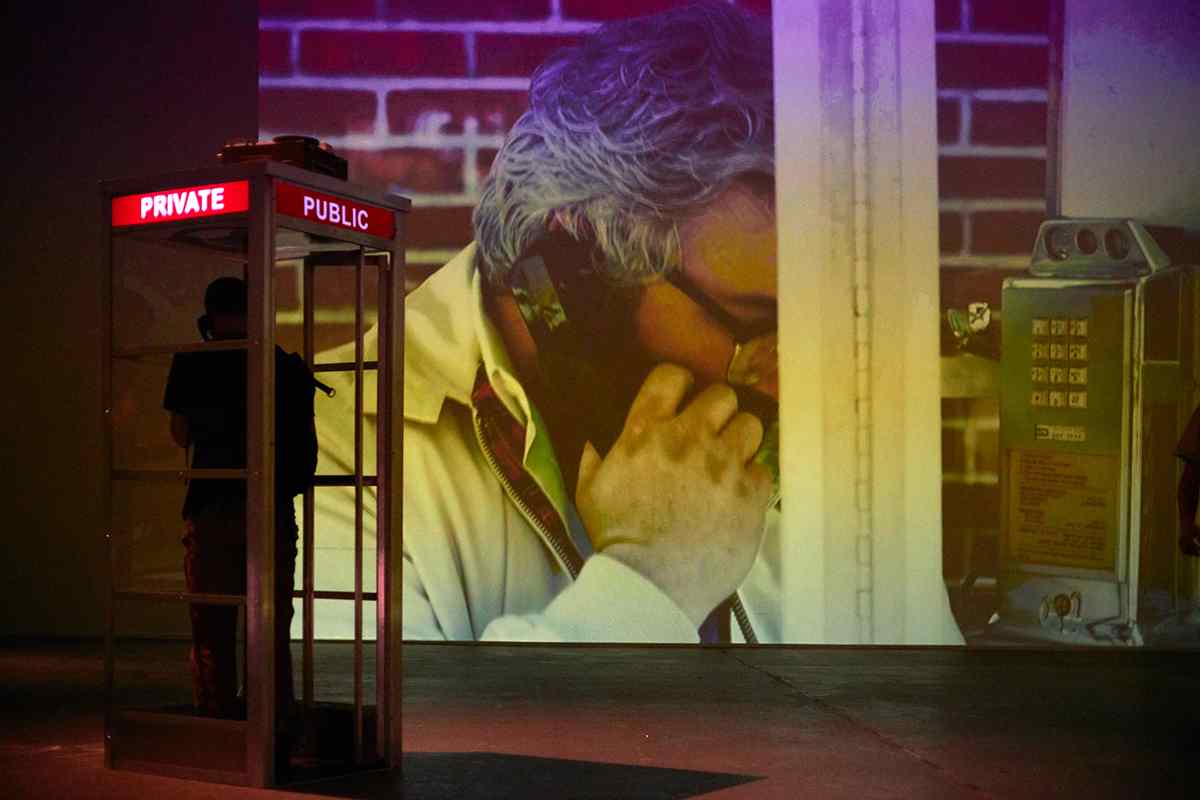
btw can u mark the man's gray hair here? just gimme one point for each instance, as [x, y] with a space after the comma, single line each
[646, 120]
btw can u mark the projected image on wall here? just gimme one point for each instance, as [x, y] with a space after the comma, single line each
[593, 415]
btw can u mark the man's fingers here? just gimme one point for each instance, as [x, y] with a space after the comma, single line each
[762, 481]
[743, 436]
[660, 395]
[589, 462]
[711, 409]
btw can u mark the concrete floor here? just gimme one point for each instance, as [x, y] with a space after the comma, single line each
[592, 722]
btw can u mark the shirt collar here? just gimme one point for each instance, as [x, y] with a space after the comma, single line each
[448, 334]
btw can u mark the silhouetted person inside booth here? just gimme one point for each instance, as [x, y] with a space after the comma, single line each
[206, 395]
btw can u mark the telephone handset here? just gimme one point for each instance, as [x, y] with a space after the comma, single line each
[591, 367]
[589, 354]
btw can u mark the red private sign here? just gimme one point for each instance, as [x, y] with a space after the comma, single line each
[328, 209]
[189, 202]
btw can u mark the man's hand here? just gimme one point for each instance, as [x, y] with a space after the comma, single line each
[677, 498]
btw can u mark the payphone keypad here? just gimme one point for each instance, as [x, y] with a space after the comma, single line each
[1059, 372]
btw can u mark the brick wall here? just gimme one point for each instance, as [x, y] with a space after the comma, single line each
[992, 74]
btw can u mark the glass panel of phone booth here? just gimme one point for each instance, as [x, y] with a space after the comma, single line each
[158, 278]
[331, 288]
[333, 303]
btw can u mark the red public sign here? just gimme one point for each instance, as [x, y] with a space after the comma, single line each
[189, 202]
[328, 209]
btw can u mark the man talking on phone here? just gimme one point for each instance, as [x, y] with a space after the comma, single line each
[579, 461]
[588, 385]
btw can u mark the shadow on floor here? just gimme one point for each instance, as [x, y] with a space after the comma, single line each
[467, 776]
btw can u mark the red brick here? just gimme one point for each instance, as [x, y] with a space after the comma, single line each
[1010, 16]
[947, 15]
[483, 162]
[615, 9]
[1004, 232]
[287, 289]
[439, 227]
[950, 232]
[318, 112]
[949, 120]
[441, 10]
[317, 9]
[382, 53]
[991, 66]
[290, 338]
[328, 336]
[274, 53]
[408, 169]
[1012, 124]
[991, 177]
[514, 54]
[333, 288]
[416, 274]
[495, 111]
[762, 7]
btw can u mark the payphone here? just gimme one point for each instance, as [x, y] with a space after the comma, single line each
[271, 225]
[1098, 379]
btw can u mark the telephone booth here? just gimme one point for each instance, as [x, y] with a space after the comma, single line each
[1098, 379]
[293, 236]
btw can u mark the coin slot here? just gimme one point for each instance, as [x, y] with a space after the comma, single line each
[1086, 241]
[1116, 244]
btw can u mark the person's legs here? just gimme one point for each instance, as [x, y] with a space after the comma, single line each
[215, 563]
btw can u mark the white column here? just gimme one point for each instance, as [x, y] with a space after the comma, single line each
[856, 179]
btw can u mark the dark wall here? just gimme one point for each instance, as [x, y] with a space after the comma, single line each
[97, 91]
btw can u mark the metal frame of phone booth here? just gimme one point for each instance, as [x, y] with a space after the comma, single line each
[157, 740]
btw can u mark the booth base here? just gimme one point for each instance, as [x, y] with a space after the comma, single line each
[176, 743]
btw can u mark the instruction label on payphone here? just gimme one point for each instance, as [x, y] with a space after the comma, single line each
[1063, 509]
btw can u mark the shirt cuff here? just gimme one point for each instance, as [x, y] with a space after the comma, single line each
[611, 602]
